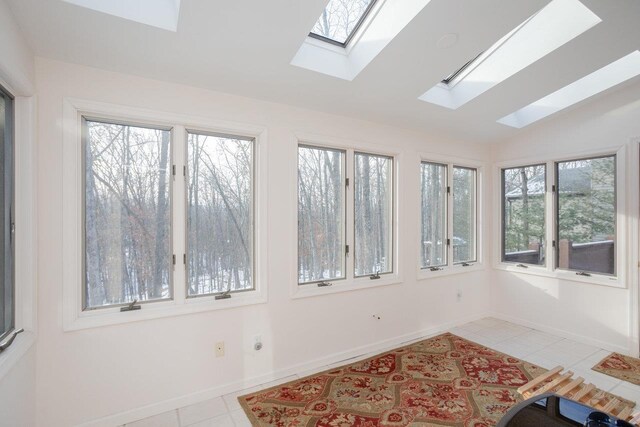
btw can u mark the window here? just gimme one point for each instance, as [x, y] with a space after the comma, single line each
[373, 205]
[464, 215]
[326, 198]
[7, 291]
[127, 214]
[586, 215]
[523, 214]
[448, 224]
[434, 215]
[321, 214]
[220, 214]
[340, 20]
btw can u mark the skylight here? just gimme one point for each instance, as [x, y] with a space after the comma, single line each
[606, 77]
[157, 13]
[556, 24]
[340, 20]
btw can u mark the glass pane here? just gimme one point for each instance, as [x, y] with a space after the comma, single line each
[321, 214]
[587, 215]
[464, 215]
[433, 215]
[220, 214]
[341, 18]
[6, 198]
[523, 215]
[127, 214]
[373, 204]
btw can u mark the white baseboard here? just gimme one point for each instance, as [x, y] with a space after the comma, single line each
[561, 333]
[316, 364]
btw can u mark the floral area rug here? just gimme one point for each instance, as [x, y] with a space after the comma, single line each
[441, 381]
[620, 366]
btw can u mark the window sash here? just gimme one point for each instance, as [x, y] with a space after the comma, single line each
[7, 286]
[389, 223]
[543, 243]
[251, 210]
[473, 217]
[353, 32]
[443, 215]
[341, 219]
[85, 146]
[557, 208]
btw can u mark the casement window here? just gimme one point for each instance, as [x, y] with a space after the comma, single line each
[159, 218]
[345, 226]
[581, 223]
[586, 215]
[449, 216]
[128, 214]
[7, 290]
[523, 215]
[220, 214]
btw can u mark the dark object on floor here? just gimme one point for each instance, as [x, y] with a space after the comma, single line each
[550, 410]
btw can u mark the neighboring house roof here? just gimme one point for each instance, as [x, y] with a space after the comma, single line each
[574, 181]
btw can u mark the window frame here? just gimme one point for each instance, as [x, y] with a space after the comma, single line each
[502, 215]
[352, 34]
[350, 282]
[84, 118]
[452, 268]
[254, 255]
[74, 318]
[623, 223]
[9, 148]
[556, 217]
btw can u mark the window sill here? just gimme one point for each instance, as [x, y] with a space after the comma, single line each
[12, 355]
[424, 274]
[312, 290]
[113, 316]
[612, 282]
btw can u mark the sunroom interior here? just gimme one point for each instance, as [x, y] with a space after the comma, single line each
[203, 200]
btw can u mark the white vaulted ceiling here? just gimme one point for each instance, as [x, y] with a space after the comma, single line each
[246, 47]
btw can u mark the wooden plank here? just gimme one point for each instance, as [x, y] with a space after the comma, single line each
[584, 392]
[625, 413]
[597, 398]
[540, 379]
[555, 383]
[569, 387]
[608, 408]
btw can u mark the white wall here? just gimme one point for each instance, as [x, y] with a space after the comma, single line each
[18, 363]
[88, 374]
[599, 314]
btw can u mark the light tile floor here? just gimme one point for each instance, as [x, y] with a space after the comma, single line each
[537, 347]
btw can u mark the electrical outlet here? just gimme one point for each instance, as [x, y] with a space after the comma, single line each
[257, 344]
[459, 295]
[220, 349]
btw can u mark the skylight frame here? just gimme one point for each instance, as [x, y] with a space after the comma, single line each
[353, 32]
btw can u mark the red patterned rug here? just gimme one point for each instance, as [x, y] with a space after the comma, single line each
[620, 366]
[441, 381]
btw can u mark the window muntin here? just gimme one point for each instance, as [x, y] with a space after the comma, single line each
[321, 214]
[340, 21]
[523, 214]
[464, 215]
[373, 208]
[586, 215]
[220, 236]
[7, 290]
[433, 224]
[127, 214]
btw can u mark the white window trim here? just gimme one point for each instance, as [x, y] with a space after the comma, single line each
[348, 283]
[623, 224]
[25, 199]
[74, 318]
[451, 268]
